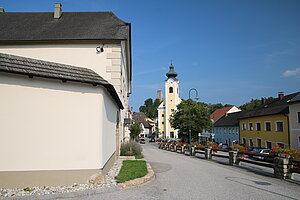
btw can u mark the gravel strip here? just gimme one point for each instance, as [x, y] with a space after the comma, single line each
[48, 190]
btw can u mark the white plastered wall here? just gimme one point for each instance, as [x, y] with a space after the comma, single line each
[294, 126]
[49, 125]
[110, 64]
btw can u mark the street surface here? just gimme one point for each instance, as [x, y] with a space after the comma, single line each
[183, 177]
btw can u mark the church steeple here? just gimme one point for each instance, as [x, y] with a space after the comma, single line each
[171, 73]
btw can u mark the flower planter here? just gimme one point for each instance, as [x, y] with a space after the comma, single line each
[179, 149]
[283, 155]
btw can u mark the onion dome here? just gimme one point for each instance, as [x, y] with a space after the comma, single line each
[171, 73]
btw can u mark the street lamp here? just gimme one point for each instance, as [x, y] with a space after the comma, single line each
[190, 128]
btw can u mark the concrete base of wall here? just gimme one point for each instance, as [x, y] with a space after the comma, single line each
[21, 179]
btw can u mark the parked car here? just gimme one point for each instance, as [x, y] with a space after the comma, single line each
[159, 140]
[142, 141]
[223, 146]
[262, 151]
[254, 150]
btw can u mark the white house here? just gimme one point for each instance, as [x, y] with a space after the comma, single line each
[65, 79]
[294, 122]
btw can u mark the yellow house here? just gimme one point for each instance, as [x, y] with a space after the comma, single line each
[268, 125]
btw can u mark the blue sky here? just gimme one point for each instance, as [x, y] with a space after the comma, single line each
[230, 51]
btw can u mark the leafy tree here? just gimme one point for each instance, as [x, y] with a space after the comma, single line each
[255, 103]
[135, 129]
[195, 114]
[213, 107]
[150, 108]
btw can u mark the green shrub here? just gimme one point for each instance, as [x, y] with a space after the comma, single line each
[139, 156]
[130, 149]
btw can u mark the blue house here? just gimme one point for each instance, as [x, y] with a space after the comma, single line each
[226, 129]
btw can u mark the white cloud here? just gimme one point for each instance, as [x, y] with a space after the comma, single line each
[289, 73]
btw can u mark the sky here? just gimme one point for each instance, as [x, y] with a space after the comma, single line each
[229, 50]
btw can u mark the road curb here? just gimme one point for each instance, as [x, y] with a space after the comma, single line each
[139, 181]
[64, 195]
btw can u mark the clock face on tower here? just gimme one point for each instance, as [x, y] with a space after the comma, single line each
[170, 81]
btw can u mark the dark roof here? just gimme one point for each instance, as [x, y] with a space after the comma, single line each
[277, 106]
[171, 73]
[231, 119]
[139, 116]
[41, 26]
[40, 68]
[295, 99]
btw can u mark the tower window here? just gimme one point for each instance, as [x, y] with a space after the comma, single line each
[170, 89]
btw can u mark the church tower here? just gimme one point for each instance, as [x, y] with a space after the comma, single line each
[169, 105]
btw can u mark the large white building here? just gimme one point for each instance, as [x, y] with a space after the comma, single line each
[168, 105]
[65, 78]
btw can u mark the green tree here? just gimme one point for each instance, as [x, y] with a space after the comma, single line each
[135, 129]
[195, 114]
[255, 103]
[150, 108]
[213, 107]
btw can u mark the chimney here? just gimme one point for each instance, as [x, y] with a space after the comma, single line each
[280, 95]
[263, 100]
[57, 10]
[2, 10]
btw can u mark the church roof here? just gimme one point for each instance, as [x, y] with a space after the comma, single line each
[171, 73]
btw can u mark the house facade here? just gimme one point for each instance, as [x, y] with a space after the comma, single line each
[226, 129]
[268, 125]
[145, 123]
[99, 41]
[168, 105]
[294, 108]
[214, 117]
[66, 79]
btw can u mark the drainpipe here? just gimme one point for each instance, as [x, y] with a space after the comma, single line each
[288, 124]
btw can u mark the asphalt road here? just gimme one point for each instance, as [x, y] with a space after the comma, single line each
[183, 177]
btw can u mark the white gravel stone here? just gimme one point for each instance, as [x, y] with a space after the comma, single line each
[109, 182]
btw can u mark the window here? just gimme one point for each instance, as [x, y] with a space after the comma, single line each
[258, 126]
[172, 134]
[224, 130]
[250, 126]
[163, 122]
[269, 145]
[244, 141]
[298, 117]
[258, 142]
[229, 130]
[170, 89]
[279, 126]
[268, 126]
[162, 115]
[244, 127]
[251, 142]
[237, 131]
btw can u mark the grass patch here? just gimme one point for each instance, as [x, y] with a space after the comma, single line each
[131, 169]
[139, 156]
